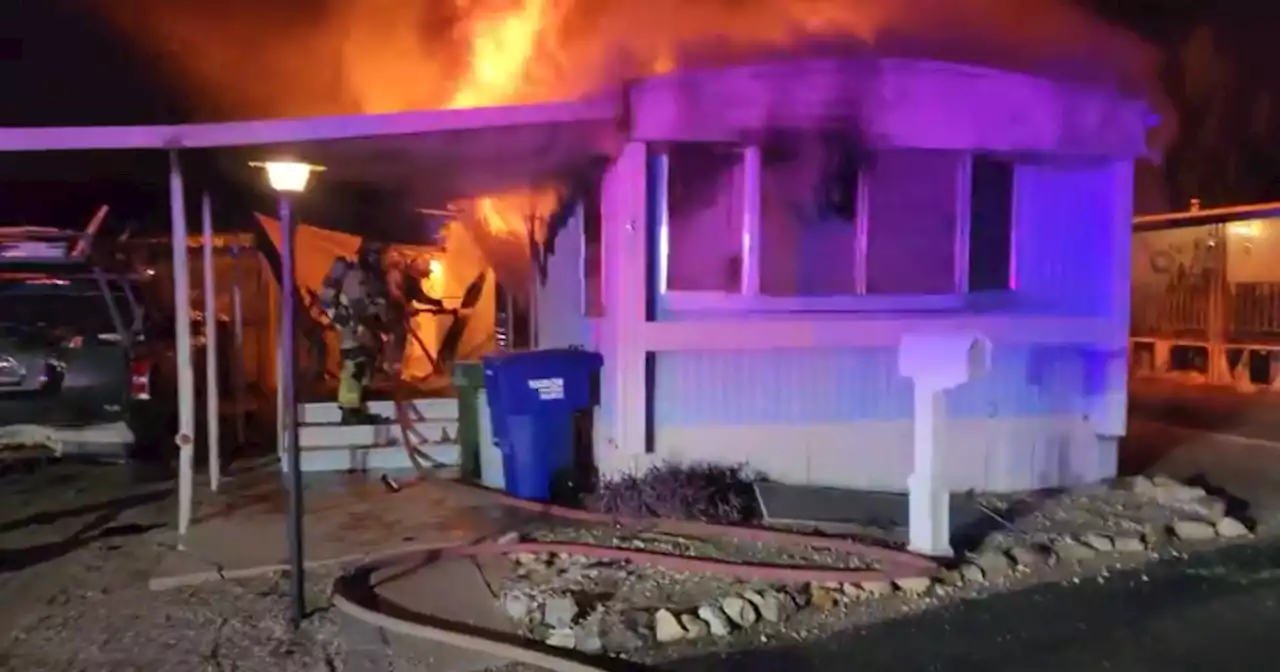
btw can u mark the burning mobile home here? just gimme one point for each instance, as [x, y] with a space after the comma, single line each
[751, 244]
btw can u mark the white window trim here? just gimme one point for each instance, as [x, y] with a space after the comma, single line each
[751, 300]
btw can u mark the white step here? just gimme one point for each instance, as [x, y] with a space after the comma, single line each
[342, 436]
[372, 458]
[327, 412]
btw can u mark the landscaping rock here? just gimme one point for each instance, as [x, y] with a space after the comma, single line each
[972, 573]
[741, 611]
[877, 588]
[1098, 542]
[915, 585]
[995, 564]
[587, 636]
[821, 598]
[1212, 509]
[667, 628]
[1230, 528]
[716, 620]
[769, 604]
[694, 627]
[624, 632]
[1072, 550]
[1173, 493]
[800, 598]
[559, 612]
[518, 606]
[1029, 556]
[526, 559]
[1142, 486]
[1192, 530]
[562, 638]
[1128, 543]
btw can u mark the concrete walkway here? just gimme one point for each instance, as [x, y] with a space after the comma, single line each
[241, 531]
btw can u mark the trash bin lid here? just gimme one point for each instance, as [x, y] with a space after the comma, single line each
[558, 358]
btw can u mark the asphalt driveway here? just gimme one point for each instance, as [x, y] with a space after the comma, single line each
[1215, 611]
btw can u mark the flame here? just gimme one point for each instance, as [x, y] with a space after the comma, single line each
[501, 45]
[247, 58]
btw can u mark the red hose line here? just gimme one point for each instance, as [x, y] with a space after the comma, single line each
[691, 528]
[904, 563]
[678, 563]
[444, 632]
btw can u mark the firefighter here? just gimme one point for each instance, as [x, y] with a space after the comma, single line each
[405, 280]
[354, 295]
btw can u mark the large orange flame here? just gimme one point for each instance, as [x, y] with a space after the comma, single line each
[246, 58]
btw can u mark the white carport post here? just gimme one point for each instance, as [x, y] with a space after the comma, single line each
[213, 420]
[182, 343]
[237, 318]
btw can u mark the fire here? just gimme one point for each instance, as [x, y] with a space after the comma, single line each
[502, 45]
[248, 58]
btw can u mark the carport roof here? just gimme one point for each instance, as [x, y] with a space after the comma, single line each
[437, 154]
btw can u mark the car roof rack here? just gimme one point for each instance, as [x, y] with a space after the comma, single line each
[64, 273]
[47, 245]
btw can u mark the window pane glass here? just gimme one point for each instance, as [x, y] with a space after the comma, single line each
[704, 225]
[911, 227]
[592, 251]
[990, 224]
[807, 220]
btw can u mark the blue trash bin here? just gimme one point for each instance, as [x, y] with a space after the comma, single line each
[534, 398]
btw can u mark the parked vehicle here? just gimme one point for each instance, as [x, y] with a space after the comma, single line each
[76, 369]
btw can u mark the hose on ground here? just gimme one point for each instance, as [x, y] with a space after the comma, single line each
[892, 564]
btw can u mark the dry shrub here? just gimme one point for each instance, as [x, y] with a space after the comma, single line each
[712, 493]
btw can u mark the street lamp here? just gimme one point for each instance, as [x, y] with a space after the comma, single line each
[289, 178]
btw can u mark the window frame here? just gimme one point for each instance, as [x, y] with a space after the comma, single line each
[749, 299]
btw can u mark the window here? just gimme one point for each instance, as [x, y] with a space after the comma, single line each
[913, 222]
[592, 254]
[703, 231]
[990, 224]
[82, 310]
[808, 219]
[813, 222]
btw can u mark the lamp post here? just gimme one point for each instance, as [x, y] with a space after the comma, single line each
[289, 178]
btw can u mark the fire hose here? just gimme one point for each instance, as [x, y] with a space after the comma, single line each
[408, 416]
[354, 595]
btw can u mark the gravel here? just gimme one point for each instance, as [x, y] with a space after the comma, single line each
[79, 543]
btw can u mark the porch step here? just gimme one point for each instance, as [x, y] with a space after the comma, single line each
[333, 435]
[376, 447]
[328, 445]
[324, 413]
[372, 458]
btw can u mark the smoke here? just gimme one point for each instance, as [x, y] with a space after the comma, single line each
[249, 58]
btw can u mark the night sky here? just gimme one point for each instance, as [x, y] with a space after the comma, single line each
[60, 66]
